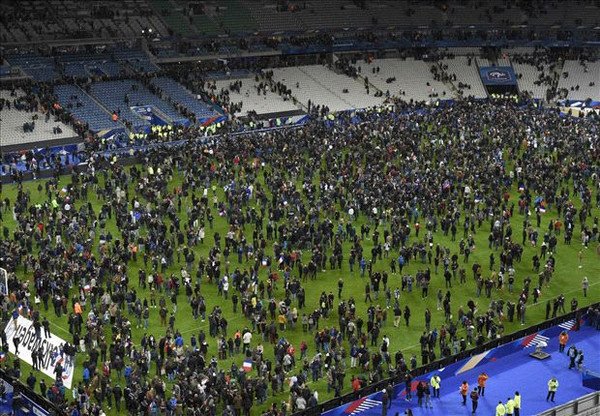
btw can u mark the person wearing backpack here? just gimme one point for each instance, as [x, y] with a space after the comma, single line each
[474, 400]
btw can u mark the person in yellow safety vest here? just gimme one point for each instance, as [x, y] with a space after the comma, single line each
[500, 410]
[552, 387]
[435, 385]
[517, 400]
[510, 407]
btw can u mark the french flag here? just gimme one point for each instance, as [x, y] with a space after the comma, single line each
[247, 366]
[2, 356]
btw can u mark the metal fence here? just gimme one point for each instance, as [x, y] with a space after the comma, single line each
[588, 405]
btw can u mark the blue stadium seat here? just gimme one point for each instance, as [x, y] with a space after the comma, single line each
[41, 68]
[138, 60]
[90, 112]
[177, 93]
[112, 95]
[75, 69]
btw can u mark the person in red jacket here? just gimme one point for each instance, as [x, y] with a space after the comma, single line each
[562, 341]
[464, 389]
[481, 380]
[355, 384]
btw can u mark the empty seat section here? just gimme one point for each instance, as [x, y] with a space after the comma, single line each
[84, 108]
[178, 94]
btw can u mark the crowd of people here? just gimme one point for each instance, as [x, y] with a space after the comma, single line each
[373, 191]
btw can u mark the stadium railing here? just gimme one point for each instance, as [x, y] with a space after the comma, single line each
[125, 157]
[587, 405]
[24, 398]
[397, 378]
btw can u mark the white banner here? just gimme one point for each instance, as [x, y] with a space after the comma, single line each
[3, 282]
[49, 347]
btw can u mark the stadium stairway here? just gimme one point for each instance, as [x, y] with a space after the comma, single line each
[234, 17]
[420, 88]
[173, 17]
[267, 105]
[309, 75]
[557, 73]
[92, 112]
[112, 95]
[467, 74]
[449, 82]
[179, 94]
[580, 75]
[360, 76]
[136, 61]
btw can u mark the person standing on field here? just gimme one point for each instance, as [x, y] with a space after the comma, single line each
[572, 354]
[397, 315]
[435, 385]
[517, 401]
[474, 400]
[384, 398]
[464, 389]
[500, 409]
[481, 380]
[552, 387]
[510, 407]
[427, 392]
[562, 341]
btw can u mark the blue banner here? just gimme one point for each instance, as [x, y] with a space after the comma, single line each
[147, 113]
[497, 75]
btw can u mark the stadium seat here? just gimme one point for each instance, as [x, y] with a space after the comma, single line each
[581, 76]
[88, 111]
[112, 95]
[12, 121]
[178, 94]
[467, 74]
[259, 103]
[411, 76]
[320, 85]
